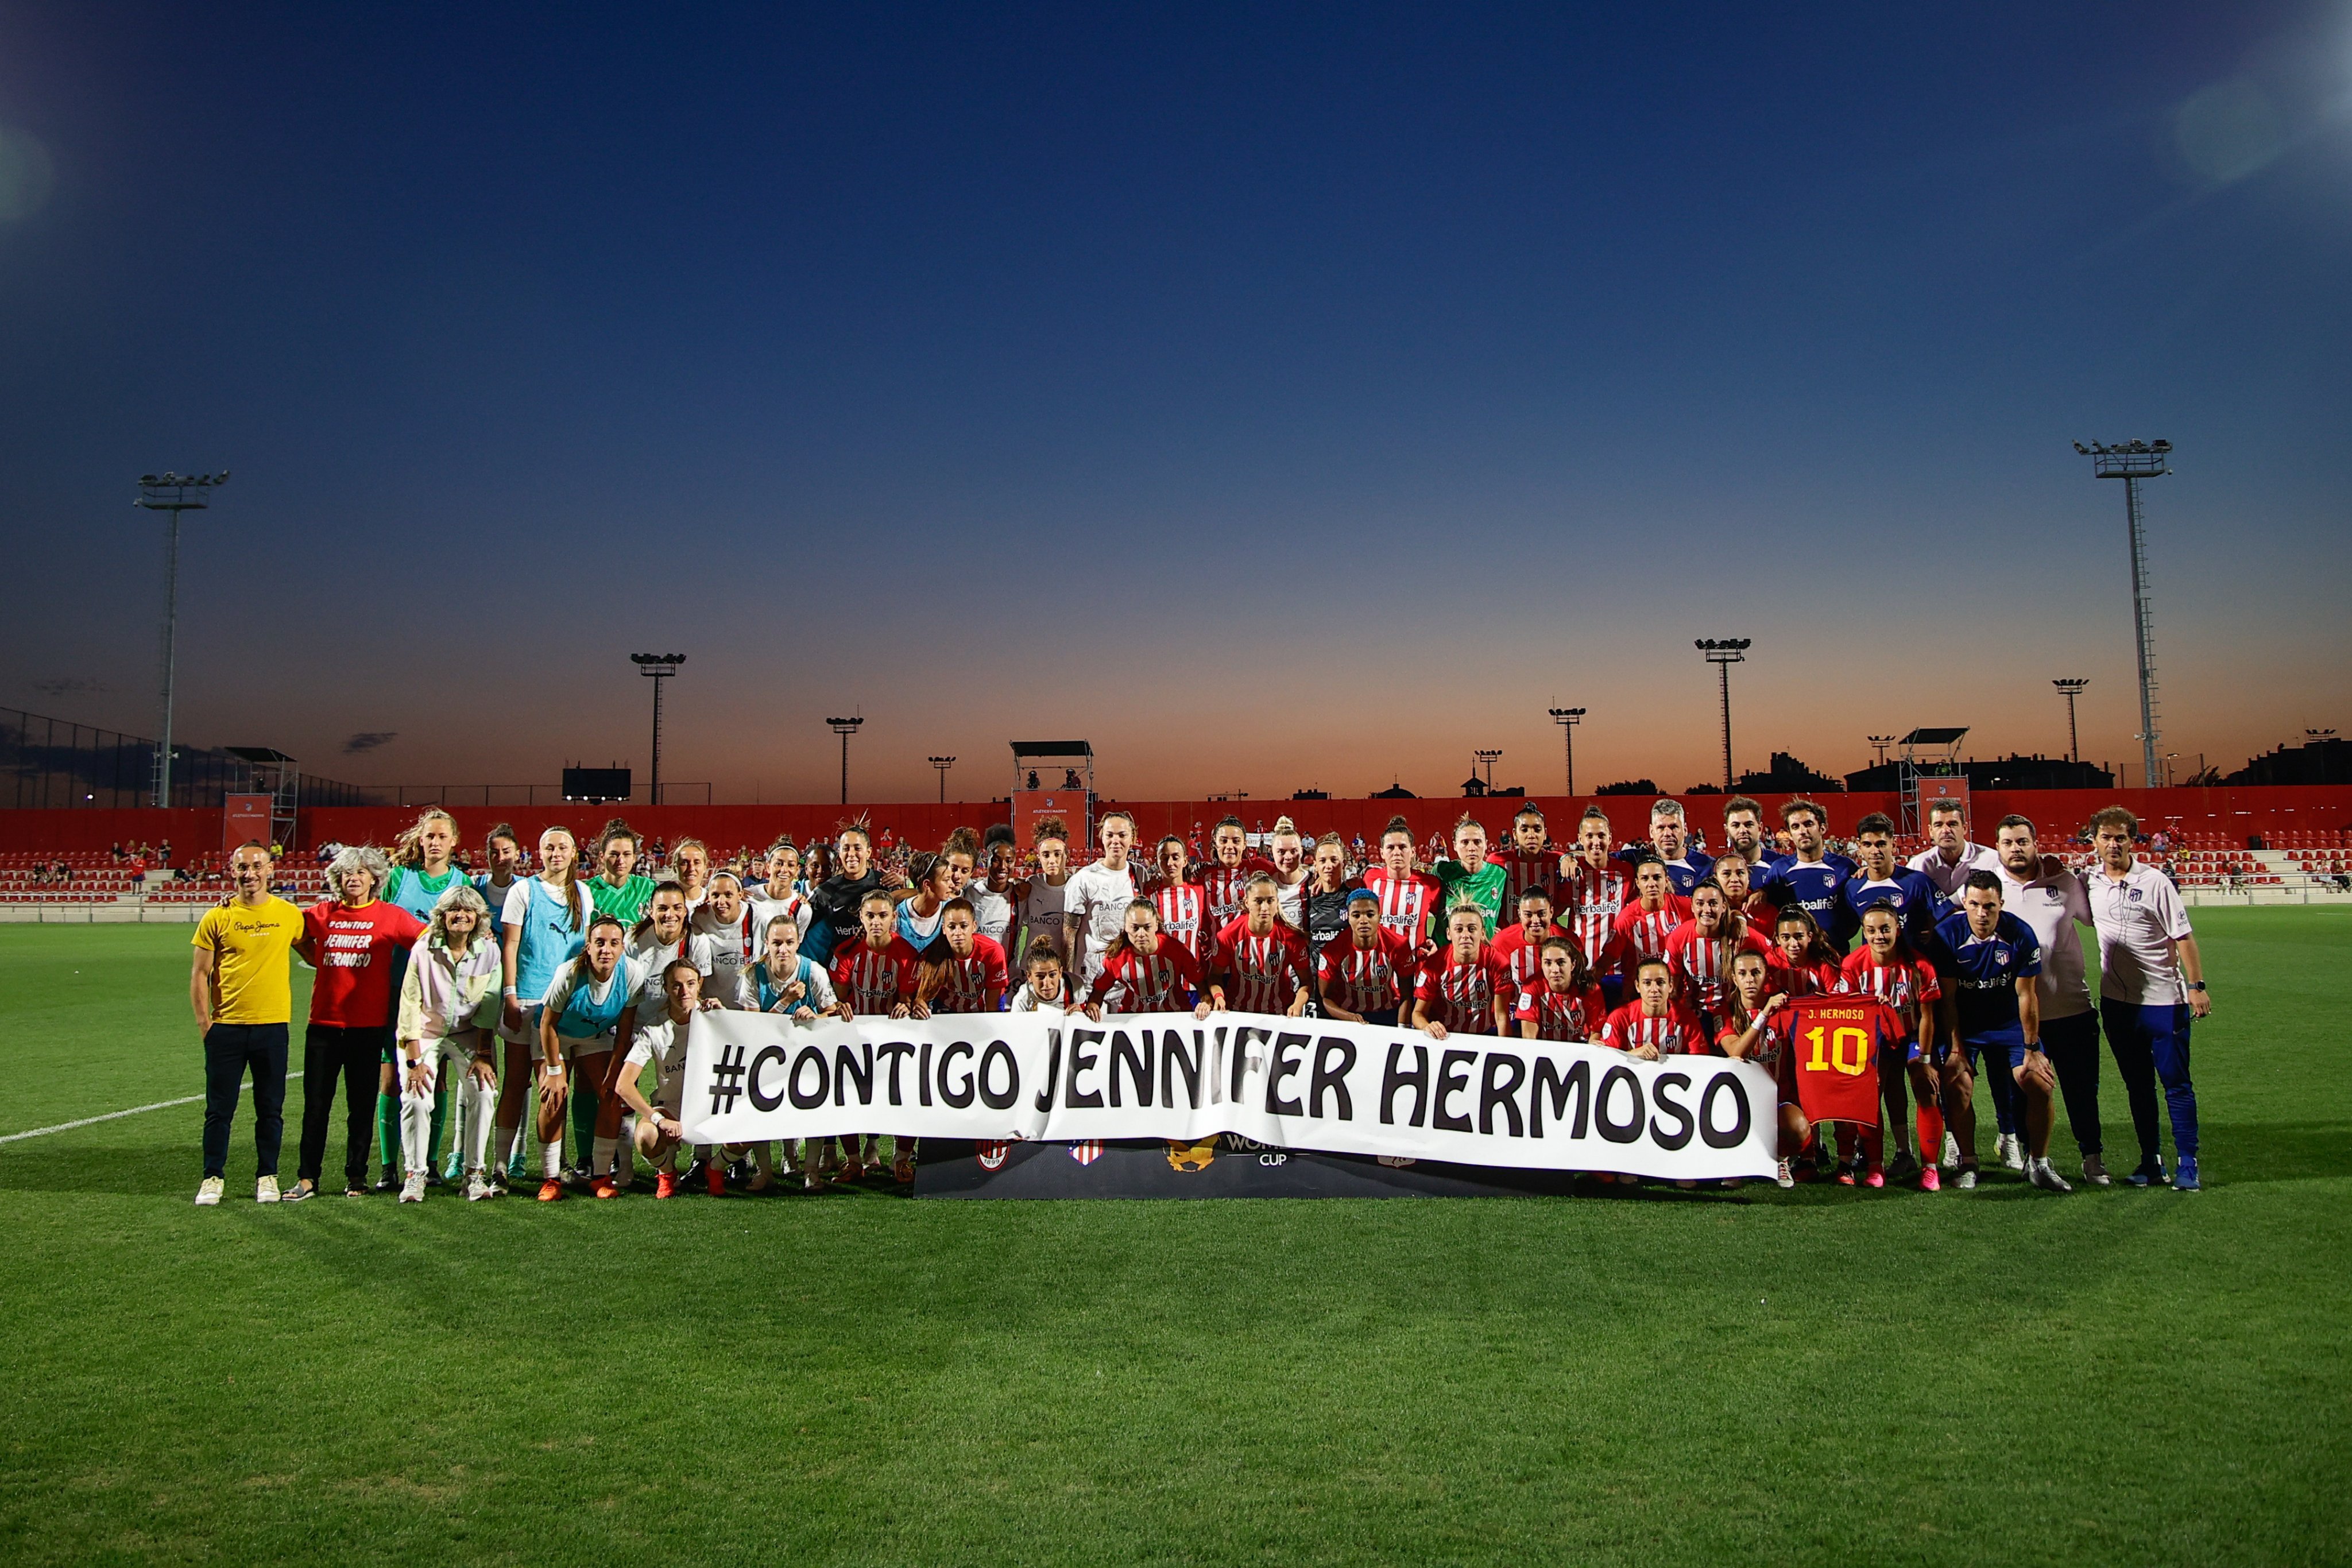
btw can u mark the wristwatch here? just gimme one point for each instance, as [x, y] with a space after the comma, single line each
[2196, 985]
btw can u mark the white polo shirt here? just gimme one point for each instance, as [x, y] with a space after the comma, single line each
[1951, 877]
[2140, 919]
[2052, 905]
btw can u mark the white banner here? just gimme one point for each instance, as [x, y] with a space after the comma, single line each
[1293, 1083]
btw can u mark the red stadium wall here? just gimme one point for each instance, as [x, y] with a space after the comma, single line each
[2235, 813]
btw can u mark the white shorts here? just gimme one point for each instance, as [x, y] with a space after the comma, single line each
[573, 1050]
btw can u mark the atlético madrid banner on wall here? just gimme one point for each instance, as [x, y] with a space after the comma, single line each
[1291, 1084]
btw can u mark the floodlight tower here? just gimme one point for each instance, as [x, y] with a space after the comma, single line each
[660, 667]
[2131, 462]
[1879, 742]
[2071, 687]
[844, 727]
[1567, 718]
[172, 493]
[1486, 759]
[944, 764]
[1723, 653]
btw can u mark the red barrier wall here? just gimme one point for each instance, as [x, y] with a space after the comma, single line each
[2235, 811]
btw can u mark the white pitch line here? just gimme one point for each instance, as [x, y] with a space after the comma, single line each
[110, 1116]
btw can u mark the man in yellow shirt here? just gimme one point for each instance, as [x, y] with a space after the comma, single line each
[242, 991]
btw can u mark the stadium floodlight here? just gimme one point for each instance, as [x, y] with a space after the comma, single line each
[2071, 686]
[844, 727]
[168, 492]
[1879, 742]
[1486, 759]
[1567, 718]
[942, 764]
[1723, 653]
[660, 667]
[2131, 462]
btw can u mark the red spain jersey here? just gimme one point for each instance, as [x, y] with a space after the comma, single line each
[1523, 959]
[1642, 932]
[1184, 914]
[965, 985]
[1367, 979]
[1902, 985]
[1223, 885]
[1522, 872]
[1406, 901]
[1462, 995]
[1564, 1016]
[1262, 974]
[1834, 1043]
[1164, 981]
[1674, 1032]
[1703, 964]
[1588, 898]
[873, 982]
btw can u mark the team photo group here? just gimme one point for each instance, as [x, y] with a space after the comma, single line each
[475, 1010]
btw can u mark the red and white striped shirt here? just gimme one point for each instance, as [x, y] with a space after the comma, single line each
[1675, 1032]
[1222, 886]
[1262, 974]
[1771, 1040]
[1369, 979]
[1462, 995]
[1184, 914]
[873, 982]
[1406, 901]
[1819, 979]
[1589, 899]
[1563, 1016]
[1902, 985]
[1522, 957]
[1522, 872]
[1164, 981]
[967, 984]
[1642, 932]
[1704, 963]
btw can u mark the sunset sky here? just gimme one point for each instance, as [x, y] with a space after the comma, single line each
[1275, 397]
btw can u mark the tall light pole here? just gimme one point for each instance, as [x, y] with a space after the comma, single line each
[1879, 742]
[1567, 718]
[2071, 687]
[844, 727]
[944, 764]
[172, 493]
[660, 667]
[1486, 759]
[1723, 653]
[2131, 462]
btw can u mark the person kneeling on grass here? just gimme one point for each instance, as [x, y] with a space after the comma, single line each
[1756, 1029]
[449, 1005]
[580, 1023]
[660, 1042]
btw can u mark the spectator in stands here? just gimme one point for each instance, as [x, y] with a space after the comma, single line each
[163, 852]
[117, 851]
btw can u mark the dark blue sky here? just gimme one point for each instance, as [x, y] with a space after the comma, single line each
[1272, 396]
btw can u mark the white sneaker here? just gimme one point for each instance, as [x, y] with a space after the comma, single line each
[1966, 1181]
[1783, 1176]
[265, 1190]
[2040, 1174]
[2094, 1171]
[2012, 1152]
[208, 1191]
[1951, 1161]
[413, 1189]
[478, 1189]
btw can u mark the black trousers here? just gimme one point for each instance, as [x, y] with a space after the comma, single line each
[2073, 1047]
[231, 1051]
[356, 1056]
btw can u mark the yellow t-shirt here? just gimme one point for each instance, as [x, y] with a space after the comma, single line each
[251, 975]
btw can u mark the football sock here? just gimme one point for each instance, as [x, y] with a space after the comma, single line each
[507, 1138]
[551, 1157]
[440, 1121]
[624, 1156]
[1845, 1143]
[1873, 1147]
[600, 1161]
[584, 1121]
[387, 1131]
[1930, 1121]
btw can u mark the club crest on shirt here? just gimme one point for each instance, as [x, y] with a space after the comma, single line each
[2053, 895]
[2133, 894]
[1999, 953]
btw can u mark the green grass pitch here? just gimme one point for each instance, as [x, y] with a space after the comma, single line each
[1826, 1376]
